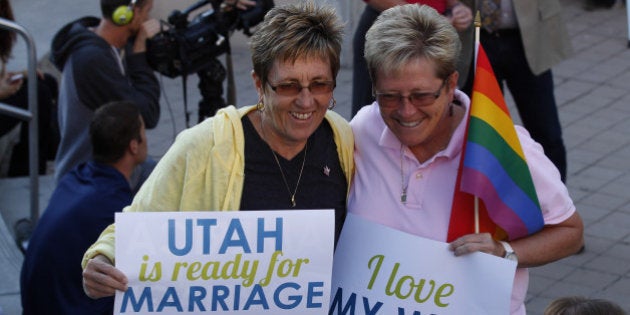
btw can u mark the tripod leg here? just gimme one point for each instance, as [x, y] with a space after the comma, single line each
[211, 87]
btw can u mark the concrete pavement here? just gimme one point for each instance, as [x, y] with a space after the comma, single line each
[593, 94]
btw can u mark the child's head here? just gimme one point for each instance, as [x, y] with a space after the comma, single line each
[576, 305]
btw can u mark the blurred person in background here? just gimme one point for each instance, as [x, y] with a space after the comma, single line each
[14, 147]
[81, 206]
[103, 60]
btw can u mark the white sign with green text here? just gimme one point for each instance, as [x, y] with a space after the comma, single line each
[379, 270]
[237, 262]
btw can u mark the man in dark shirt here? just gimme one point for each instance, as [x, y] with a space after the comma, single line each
[82, 205]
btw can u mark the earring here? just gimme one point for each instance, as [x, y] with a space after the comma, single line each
[260, 106]
[450, 109]
[332, 103]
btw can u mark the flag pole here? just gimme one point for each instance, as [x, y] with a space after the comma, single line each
[477, 33]
[477, 36]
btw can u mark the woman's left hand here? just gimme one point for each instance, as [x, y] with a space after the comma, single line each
[482, 242]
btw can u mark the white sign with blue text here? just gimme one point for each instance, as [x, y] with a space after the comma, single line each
[379, 270]
[237, 262]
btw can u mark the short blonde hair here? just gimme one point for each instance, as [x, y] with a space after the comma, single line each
[407, 32]
[577, 305]
[296, 31]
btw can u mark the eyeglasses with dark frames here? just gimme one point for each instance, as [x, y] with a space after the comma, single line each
[417, 99]
[294, 88]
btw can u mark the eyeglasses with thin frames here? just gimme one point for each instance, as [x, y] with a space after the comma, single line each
[417, 99]
[294, 88]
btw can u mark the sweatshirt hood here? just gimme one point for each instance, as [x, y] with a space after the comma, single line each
[72, 36]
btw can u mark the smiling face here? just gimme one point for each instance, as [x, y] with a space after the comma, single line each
[421, 128]
[288, 120]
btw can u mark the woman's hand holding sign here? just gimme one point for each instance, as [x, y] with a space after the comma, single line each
[102, 279]
[482, 242]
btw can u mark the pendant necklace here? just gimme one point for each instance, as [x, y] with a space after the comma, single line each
[293, 204]
[275, 156]
[403, 187]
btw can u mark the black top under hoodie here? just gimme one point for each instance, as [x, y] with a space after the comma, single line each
[91, 77]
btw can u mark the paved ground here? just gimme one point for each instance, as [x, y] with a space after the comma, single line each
[593, 93]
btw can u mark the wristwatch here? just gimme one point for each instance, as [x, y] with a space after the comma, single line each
[509, 252]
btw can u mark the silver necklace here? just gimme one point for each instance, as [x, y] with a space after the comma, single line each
[275, 156]
[293, 204]
[403, 186]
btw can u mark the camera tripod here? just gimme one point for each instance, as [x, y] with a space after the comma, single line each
[211, 87]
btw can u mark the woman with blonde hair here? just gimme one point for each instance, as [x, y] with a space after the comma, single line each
[408, 146]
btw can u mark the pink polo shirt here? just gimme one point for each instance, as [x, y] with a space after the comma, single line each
[377, 184]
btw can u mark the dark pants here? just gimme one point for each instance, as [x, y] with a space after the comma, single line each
[361, 83]
[533, 94]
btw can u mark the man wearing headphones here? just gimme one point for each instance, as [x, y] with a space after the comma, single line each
[103, 60]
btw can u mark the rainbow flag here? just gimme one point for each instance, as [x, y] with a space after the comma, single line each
[494, 166]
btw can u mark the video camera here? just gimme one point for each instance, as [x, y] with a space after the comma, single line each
[187, 47]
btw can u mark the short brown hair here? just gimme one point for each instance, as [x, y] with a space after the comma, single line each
[295, 31]
[113, 126]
